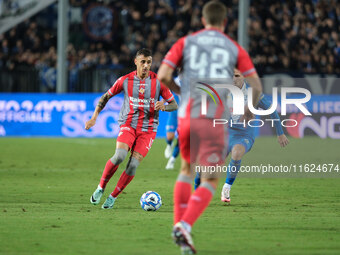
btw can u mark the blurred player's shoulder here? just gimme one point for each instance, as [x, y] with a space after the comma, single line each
[196, 33]
[210, 32]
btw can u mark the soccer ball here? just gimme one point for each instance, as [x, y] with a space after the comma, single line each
[150, 201]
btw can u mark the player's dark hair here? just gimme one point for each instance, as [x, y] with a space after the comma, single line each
[145, 52]
[214, 12]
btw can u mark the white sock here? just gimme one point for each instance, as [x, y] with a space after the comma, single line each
[186, 226]
[99, 187]
[227, 185]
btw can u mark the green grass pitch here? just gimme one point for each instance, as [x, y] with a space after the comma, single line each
[46, 183]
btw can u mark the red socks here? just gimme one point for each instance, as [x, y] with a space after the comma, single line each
[108, 172]
[189, 207]
[182, 192]
[123, 181]
[199, 200]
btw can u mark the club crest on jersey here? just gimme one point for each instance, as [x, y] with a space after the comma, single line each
[142, 90]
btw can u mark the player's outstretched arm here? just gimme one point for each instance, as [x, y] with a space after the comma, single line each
[254, 82]
[283, 140]
[100, 106]
[171, 106]
[165, 76]
[265, 104]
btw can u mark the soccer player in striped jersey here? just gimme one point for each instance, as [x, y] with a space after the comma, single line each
[205, 55]
[242, 137]
[138, 121]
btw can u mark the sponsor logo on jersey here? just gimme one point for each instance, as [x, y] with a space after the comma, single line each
[139, 100]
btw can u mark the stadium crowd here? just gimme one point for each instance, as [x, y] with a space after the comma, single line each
[288, 36]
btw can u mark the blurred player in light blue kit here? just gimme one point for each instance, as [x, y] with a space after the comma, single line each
[172, 150]
[242, 138]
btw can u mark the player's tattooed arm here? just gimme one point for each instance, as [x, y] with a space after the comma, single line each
[168, 108]
[103, 100]
[100, 106]
[171, 106]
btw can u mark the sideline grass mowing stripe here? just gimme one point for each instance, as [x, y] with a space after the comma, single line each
[46, 183]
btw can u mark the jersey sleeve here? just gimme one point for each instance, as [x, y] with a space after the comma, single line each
[244, 63]
[166, 93]
[175, 55]
[117, 87]
[265, 104]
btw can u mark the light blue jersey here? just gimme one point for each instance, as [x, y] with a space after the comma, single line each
[171, 125]
[244, 134]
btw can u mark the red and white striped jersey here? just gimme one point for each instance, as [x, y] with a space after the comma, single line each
[140, 97]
